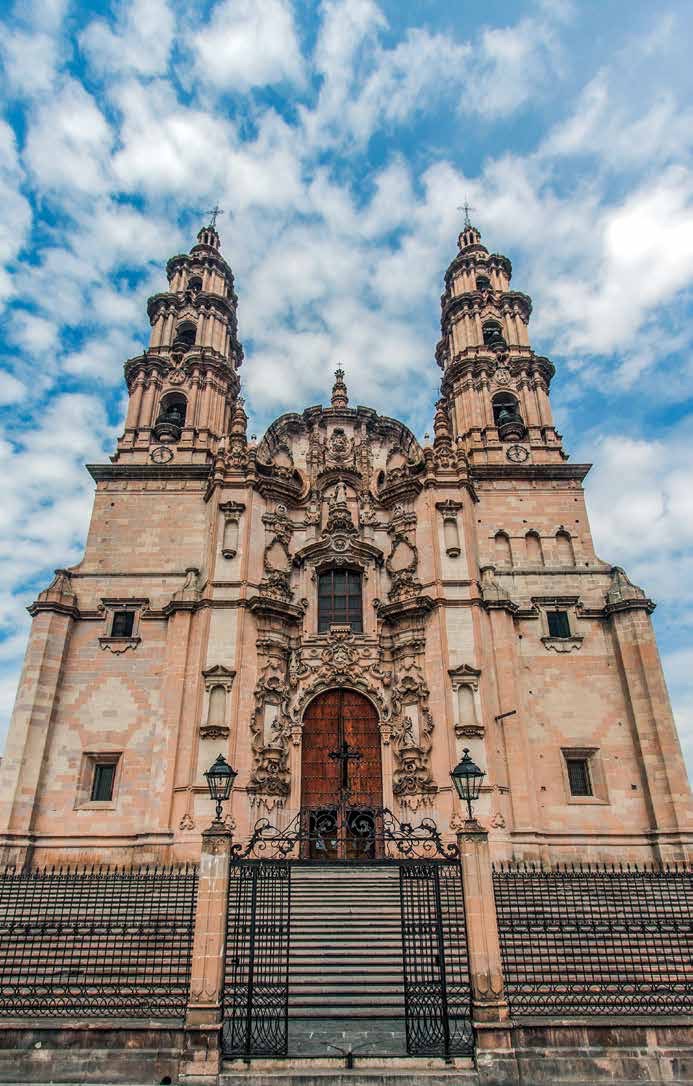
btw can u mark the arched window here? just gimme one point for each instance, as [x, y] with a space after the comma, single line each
[507, 417]
[504, 556]
[185, 334]
[173, 409]
[195, 284]
[339, 600]
[484, 283]
[493, 334]
[504, 405]
[564, 549]
[535, 555]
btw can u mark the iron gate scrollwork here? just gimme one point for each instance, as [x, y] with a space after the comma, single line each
[257, 959]
[437, 994]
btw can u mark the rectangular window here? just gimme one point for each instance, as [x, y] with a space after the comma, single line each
[579, 777]
[559, 625]
[103, 781]
[123, 622]
[339, 600]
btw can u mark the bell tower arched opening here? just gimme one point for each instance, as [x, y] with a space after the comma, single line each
[341, 775]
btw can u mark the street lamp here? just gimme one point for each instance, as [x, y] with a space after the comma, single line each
[220, 778]
[467, 778]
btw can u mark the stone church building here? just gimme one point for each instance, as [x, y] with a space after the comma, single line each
[341, 610]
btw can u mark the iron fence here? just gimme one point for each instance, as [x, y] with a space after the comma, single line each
[596, 939]
[96, 942]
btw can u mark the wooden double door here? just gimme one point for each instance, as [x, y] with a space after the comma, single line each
[341, 777]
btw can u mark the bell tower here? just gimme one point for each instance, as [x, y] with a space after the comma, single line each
[495, 388]
[183, 388]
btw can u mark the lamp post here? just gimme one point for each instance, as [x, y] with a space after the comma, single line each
[220, 778]
[467, 778]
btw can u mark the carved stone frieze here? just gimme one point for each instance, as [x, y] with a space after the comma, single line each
[214, 731]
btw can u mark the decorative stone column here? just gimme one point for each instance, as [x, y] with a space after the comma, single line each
[490, 1012]
[204, 1019]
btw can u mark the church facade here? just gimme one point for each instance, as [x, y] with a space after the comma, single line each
[341, 610]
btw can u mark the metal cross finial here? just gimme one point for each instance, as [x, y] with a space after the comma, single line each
[466, 207]
[214, 212]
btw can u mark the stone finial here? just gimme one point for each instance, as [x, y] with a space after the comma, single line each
[441, 425]
[60, 589]
[622, 588]
[239, 420]
[339, 390]
[59, 596]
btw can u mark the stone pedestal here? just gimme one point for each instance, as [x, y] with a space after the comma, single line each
[202, 1054]
[490, 1012]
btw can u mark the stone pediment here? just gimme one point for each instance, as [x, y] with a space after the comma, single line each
[325, 444]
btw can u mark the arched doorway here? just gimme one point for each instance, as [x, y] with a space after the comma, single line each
[341, 775]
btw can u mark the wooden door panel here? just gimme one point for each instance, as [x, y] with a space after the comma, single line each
[331, 717]
[361, 732]
[319, 772]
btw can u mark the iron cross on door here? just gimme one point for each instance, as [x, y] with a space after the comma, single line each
[344, 754]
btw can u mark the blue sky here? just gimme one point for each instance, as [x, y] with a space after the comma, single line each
[341, 138]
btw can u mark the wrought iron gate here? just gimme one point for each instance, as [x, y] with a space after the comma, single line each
[437, 994]
[256, 983]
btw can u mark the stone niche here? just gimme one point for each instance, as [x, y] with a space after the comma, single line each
[214, 730]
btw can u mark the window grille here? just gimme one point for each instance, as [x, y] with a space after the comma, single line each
[579, 777]
[123, 622]
[339, 600]
[559, 625]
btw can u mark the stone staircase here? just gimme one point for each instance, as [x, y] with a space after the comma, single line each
[346, 984]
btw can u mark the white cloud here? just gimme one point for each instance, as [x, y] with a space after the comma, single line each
[11, 390]
[165, 147]
[68, 143]
[641, 506]
[102, 357]
[15, 212]
[511, 65]
[30, 60]
[139, 42]
[246, 44]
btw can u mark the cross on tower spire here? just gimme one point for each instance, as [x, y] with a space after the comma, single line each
[466, 207]
[214, 213]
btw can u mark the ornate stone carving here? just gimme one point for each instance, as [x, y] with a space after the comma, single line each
[277, 559]
[340, 450]
[563, 644]
[214, 731]
[186, 822]
[403, 559]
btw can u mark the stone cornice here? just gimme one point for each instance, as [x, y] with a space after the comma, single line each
[490, 472]
[476, 300]
[477, 360]
[200, 255]
[58, 608]
[180, 300]
[109, 473]
[635, 604]
[160, 358]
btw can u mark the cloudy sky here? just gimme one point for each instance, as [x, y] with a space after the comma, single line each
[340, 137]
